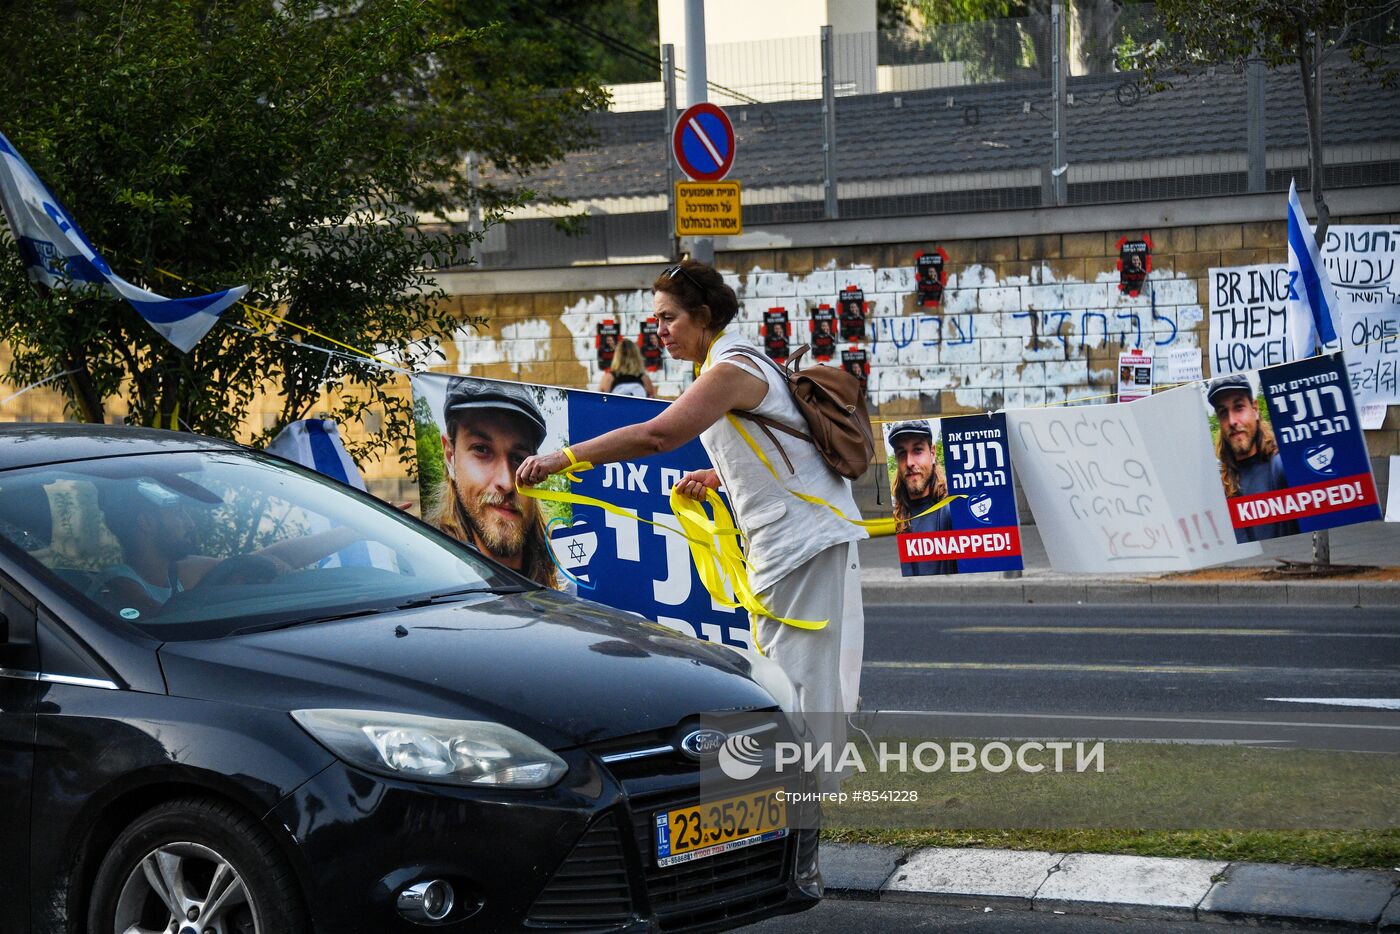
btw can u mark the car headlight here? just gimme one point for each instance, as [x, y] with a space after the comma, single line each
[430, 749]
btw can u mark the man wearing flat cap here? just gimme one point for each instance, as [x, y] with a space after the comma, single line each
[1248, 453]
[492, 426]
[919, 482]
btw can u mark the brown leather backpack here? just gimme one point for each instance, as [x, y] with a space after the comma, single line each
[832, 402]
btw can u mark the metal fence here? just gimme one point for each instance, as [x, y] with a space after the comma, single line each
[959, 118]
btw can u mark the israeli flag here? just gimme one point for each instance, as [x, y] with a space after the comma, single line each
[315, 443]
[1310, 295]
[56, 252]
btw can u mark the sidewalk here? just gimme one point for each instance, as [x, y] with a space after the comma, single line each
[1375, 544]
[1138, 887]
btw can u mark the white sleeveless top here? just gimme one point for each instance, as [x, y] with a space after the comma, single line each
[781, 531]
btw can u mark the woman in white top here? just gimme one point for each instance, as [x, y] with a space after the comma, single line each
[802, 558]
[628, 376]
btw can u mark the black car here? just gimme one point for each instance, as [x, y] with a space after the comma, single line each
[237, 697]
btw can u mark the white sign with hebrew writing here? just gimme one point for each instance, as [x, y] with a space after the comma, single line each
[1363, 262]
[1127, 488]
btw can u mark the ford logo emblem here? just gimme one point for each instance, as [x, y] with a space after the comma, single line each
[701, 744]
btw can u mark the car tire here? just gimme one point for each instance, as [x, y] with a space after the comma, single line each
[219, 867]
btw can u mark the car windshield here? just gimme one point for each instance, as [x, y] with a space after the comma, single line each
[197, 546]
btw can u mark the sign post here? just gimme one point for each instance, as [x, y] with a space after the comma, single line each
[702, 142]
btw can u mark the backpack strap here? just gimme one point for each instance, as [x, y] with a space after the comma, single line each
[764, 422]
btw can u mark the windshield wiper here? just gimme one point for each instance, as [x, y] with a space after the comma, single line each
[303, 621]
[464, 592]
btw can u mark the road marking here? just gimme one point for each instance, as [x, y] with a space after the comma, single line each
[1195, 720]
[1379, 703]
[1126, 669]
[1167, 631]
[705, 141]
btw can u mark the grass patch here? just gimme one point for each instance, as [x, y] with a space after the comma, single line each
[1224, 802]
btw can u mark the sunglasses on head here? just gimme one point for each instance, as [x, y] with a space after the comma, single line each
[670, 272]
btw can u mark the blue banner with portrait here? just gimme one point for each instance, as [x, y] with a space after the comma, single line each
[1291, 455]
[967, 457]
[1326, 470]
[473, 432]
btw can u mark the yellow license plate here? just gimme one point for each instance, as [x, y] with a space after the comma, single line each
[691, 833]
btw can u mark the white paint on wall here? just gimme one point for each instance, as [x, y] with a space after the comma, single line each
[995, 341]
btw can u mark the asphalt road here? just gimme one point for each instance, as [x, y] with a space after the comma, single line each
[1306, 677]
[855, 917]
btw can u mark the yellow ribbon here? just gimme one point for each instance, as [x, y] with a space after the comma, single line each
[575, 467]
[876, 527]
[713, 543]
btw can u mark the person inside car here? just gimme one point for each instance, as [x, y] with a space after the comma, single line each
[156, 532]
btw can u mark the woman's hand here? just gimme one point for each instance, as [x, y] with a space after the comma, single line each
[536, 468]
[698, 482]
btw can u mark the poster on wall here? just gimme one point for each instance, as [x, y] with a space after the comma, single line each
[967, 456]
[649, 341]
[1134, 375]
[930, 276]
[823, 328]
[775, 334]
[1134, 263]
[856, 362]
[1125, 488]
[1183, 365]
[852, 304]
[1289, 450]
[1371, 342]
[609, 331]
[473, 432]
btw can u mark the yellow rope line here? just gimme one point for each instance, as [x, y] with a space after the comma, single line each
[276, 317]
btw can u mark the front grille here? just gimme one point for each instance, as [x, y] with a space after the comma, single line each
[711, 889]
[590, 888]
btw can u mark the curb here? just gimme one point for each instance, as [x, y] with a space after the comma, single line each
[923, 591]
[1129, 887]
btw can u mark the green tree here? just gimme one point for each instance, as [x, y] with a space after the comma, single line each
[1302, 36]
[300, 146]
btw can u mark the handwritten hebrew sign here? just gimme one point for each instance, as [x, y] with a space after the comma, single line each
[1364, 264]
[1125, 487]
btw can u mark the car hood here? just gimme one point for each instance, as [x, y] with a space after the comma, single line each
[560, 670]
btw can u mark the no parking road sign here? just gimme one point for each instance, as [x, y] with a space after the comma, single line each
[703, 141]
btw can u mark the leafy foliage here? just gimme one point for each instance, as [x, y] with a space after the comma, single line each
[291, 144]
[1301, 35]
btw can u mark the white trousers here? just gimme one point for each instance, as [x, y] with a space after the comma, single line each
[823, 665]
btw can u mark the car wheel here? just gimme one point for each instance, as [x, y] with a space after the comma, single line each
[195, 866]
